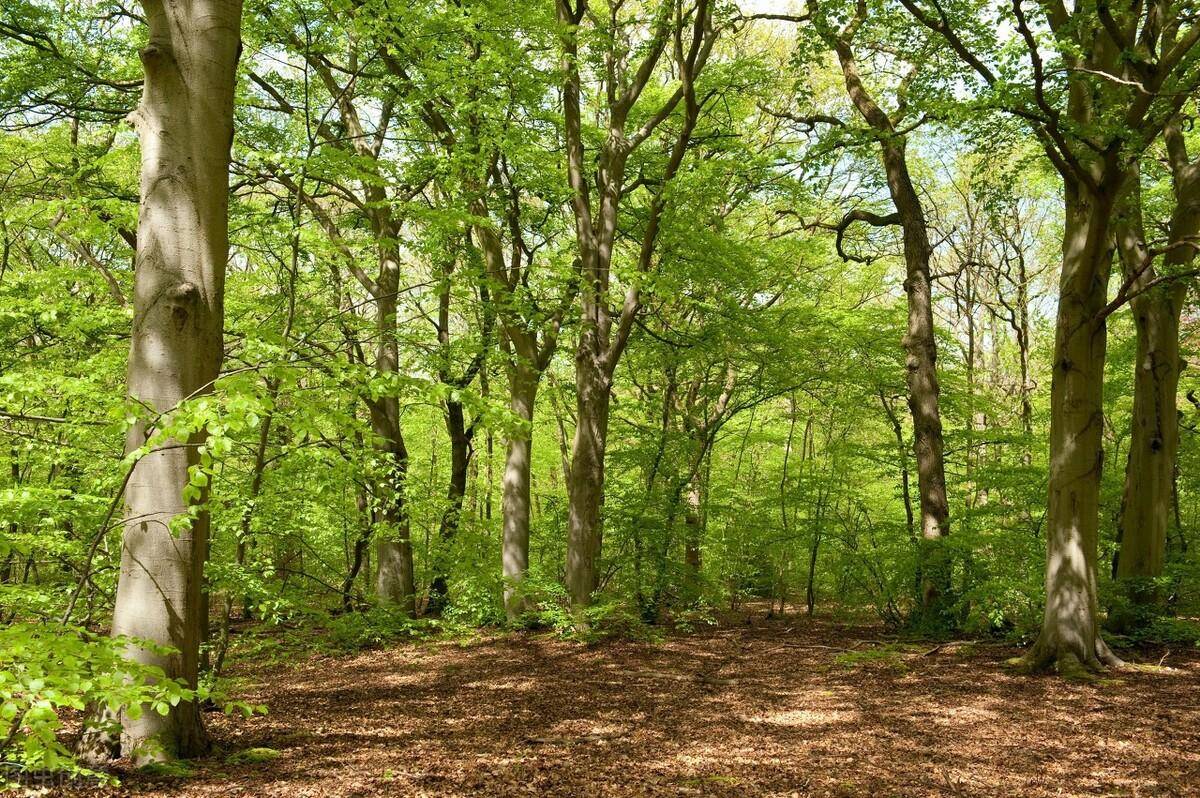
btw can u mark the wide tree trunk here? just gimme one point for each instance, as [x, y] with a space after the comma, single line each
[185, 125]
[1146, 503]
[1070, 637]
[523, 386]
[586, 486]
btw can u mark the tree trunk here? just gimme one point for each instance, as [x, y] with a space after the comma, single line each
[359, 554]
[523, 386]
[586, 487]
[923, 390]
[1149, 474]
[919, 342]
[394, 583]
[1070, 636]
[245, 538]
[1146, 501]
[693, 520]
[185, 124]
[460, 462]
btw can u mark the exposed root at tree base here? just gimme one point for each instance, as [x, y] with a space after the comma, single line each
[1043, 657]
[766, 708]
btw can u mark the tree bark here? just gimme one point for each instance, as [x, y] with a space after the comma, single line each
[1146, 502]
[919, 341]
[923, 389]
[185, 125]
[693, 520]
[523, 386]
[603, 335]
[461, 436]
[394, 581]
[1070, 636]
[585, 490]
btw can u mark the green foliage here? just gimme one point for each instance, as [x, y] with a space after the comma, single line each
[760, 449]
[48, 668]
[372, 628]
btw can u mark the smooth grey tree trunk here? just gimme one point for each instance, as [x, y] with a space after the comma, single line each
[585, 489]
[394, 578]
[523, 386]
[185, 125]
[603, 335]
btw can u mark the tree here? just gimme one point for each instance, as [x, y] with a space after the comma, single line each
[1156, 302]
[603, 334]
[891, 131]
[377, 200]
[185, 124]
[1116, 79]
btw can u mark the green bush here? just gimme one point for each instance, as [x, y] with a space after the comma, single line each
[48, 668]
[374, 627]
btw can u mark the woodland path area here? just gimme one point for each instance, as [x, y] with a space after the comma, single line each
[753, 707]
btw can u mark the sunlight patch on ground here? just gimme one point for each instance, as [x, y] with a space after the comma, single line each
[805, 717]
[504, 685]
[964, 716]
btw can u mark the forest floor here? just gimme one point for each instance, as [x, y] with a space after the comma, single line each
[781, 707]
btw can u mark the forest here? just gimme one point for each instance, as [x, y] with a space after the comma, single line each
[599, 397]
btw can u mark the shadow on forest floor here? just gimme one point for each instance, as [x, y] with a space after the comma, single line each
[781, 707]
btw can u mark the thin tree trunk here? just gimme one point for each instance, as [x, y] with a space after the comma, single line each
[245, 538]
[923, 392]
[359, 554]
[460, 461]
[693, 535]
[902, 452]
[1022, 331]
[185, 124]
[919, 341]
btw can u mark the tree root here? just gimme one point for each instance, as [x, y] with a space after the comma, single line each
[1041, 658]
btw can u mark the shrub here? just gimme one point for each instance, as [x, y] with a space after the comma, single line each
[48, 668]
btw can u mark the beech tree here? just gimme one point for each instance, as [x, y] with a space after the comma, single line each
[603, 334]
[1156, 301]
[1117, 79]
[890, 130]
[185, 125]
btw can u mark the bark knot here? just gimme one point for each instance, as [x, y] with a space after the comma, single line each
[152, 54]
[184, 292]
[182, 298]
